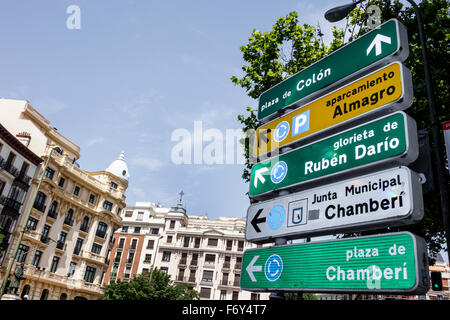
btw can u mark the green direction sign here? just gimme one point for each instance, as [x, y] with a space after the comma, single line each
[394, 263]
[391, 138]
[388, 42]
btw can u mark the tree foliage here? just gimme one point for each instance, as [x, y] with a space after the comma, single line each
[290, 46]
[156, 285]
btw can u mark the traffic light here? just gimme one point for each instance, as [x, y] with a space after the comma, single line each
[436, 281]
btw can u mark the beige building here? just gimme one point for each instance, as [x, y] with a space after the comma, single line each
[192, 249]
[73, 217]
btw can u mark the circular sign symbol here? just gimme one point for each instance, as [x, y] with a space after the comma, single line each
[278, 172]
[273, 267]
[281, 131]
[276, 217]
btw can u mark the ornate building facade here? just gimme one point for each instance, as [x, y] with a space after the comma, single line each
[73, 217]
[205, 253]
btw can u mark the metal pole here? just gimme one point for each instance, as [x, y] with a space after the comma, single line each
[435, 128]
[24, 227]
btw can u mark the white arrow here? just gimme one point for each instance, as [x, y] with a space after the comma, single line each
[251, 268]
[259, 176]
[376, 42]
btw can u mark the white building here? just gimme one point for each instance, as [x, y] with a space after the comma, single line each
[192, 249]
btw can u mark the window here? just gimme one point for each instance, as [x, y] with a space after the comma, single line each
[40, 201]
[208, 276]
[164, 270]
[90, 274]
[76, 191]
[133, 244]
[84, 224]
[130, 257]
[150, 244]
[45, 232]
[52, 211]
[101, 229]
[32, 223]
[61, 182]
[223, 295]
[71, 271]
[186, 242]
[229, 244]
[148, 258]
[96, 248]
[235, 295]
[36, 258]
[128, 214]
[121, 243]
[212, 242]
[44, 294]
[197, 243]
[169, 239]
[68, 220]
[107, 205]
[113, 185]
[125, 229]
[210, 258]
[49, 173]
[205, 293]
[240, 245]
[166, 256]
[92, 198]
[61, 240]
[54, 264]
[140, 216]
[78, 245]
[22, 253]
[194, 259]
[155, 231]
[145, 271]
[137, 229]
[180, 274]
[172, 224]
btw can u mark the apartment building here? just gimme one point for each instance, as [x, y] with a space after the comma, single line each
[191, 249]
[73, 217]
[17, 168]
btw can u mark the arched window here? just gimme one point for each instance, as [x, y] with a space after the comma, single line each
[40, 201]
[63, 296]
[68, 220]
[52, 211]
[25, 291]
[44, 294]
[85, 224]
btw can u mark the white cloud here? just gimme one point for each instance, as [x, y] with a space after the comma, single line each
[149, 164]
[95, 141]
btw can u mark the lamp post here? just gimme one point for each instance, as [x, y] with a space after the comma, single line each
[338, 13]
[24, 227]
[154, 260]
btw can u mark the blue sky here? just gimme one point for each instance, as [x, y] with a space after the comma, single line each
[135, 72]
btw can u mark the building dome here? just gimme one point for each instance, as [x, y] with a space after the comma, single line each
[119, 168]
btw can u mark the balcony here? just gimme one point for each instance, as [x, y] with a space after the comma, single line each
[52, 214]
[45, 239]
[11, 207]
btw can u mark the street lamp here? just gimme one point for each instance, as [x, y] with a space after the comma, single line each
[27, 216]
[338, 13]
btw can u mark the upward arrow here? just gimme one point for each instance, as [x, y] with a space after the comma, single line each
[376, 42]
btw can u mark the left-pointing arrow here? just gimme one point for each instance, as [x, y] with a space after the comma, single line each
[259, 176]
[257, 220]
[252, 268]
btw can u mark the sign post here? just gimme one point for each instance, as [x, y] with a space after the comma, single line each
[383, 91]
[386, 43]
[394, 263]
[392, 139]
[387, 198]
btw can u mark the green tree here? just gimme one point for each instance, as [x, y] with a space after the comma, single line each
[156, 285]
[289, 47]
